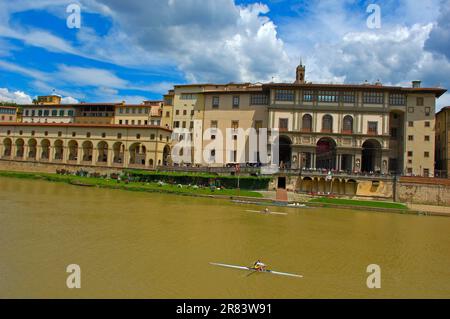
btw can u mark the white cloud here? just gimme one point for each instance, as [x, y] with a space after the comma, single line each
[17, 97]
[89, 77]
[69, 100]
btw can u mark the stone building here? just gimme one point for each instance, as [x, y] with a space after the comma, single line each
[85, 145]
[443, 142]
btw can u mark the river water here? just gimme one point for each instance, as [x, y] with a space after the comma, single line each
[140, 245]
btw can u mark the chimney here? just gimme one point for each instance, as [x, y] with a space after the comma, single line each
[416, 84]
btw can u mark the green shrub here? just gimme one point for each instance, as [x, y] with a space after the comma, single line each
[201, 179]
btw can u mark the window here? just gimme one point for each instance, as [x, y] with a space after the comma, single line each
[397, 99]
[177, 112]
[103, 135]
[168, 114]
[120, 122]
[121, 110]
[426, 154]
[236, 101]
[214, 124]
[420, 101]
[426, 172]
[186, 96]
[88, 134]
[348, 124]
[427, 124]
[427, 138]
[40, 113]
[374, 97]
[411, 138]
[138, 136]
[410, 110]
[373, 128]
[394, 133]
[213, 137]
[328, 96]
[176, 124]
[411, 124]
[410, 154]
[119, 136]
[184, 112]
[283, 124]
[70, 113]
[308, 96]
[327, 124]
[59, 134]
[285, 95]
[61, 113]
[192, 113]
[191, 126]
[27, 112]
[47, 113]
[215, 102]
[234, 125]
[259, 99]
[427, 111]
[307, 123]
[184, 124]
[348, 97]
[74, 134]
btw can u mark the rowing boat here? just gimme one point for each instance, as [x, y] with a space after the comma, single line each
[264, 213]
[257, 270]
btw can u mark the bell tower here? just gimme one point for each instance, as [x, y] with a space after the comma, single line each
[300, 77]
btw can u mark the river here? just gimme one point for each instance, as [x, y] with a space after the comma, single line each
[140, 245]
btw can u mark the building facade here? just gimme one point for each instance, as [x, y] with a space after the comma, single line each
[367, 128]
[443, 142]
[8, 114]
[48, 113]
[85, 145]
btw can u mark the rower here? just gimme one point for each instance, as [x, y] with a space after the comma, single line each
[259, 266]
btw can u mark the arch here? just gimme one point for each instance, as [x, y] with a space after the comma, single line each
[20, 148]
[138, 154]
[59, 150]
[7, 144]
[351, 187]
[166, 155]
[73, 151]
[285, 148]
[102, 148]
[151, 162]
[306, 185]
[348, 124]
[371, 156]
[326, 153]
[32, 149]
[327, 123]
[307, 123]
[88, 149]
[45, 145]
[119, 153]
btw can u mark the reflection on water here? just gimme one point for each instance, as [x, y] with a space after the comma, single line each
[159, 246]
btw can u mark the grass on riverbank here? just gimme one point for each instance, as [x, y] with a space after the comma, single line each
[132, 186]
[358, 203]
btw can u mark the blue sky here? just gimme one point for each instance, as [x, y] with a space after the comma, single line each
[137, 49]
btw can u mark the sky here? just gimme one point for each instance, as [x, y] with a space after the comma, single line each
[136, 50]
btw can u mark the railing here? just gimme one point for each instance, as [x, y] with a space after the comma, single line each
[213, 170]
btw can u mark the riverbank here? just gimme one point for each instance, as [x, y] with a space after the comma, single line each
[133, 186]
[257, 196]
